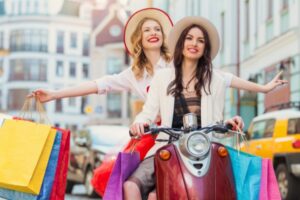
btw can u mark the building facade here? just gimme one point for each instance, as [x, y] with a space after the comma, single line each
[108, 57]
[45, 44]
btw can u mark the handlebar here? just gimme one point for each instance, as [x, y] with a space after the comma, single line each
[175, 132]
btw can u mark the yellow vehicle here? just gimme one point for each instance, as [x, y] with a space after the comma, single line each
[276, 135]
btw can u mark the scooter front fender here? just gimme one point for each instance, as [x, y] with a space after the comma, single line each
[169, 177]
[174, 181]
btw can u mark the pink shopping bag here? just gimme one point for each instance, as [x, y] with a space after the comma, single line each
[268, 186]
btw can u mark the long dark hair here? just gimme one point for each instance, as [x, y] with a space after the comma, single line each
[204, 66]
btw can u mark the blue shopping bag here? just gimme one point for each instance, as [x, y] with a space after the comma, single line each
[47, 182]
[247, 170]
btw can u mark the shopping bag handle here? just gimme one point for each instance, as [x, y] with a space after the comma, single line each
[29, 108]
[133, 145]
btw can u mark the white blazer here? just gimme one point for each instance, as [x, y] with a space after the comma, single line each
[212, 105]
[126, 81]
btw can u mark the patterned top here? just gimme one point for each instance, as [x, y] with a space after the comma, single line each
[186, 103]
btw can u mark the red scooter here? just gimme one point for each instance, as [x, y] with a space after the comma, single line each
[192, 166]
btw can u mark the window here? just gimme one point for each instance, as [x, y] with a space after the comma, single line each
[1, 68]
[16, 98]
[83, 104]
[86, 45]
[59, 69]
[284, 18]
[1, 40]
[72, 70]
[256, 22]
[27, 6]
[114, 65]
[36, 6]
[72, 102]
[270, 9]
[20, 7]
[294, 126]
[58, 105]
[73, 42]
[262, 129]
[60, 40]
[0, 99]
[29, 40]
[114, 104]
[247, 21]
[222, 31]
[284, 4]
[85, 70]
[28, 70]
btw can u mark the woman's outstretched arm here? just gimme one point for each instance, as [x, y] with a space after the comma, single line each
[242, 84]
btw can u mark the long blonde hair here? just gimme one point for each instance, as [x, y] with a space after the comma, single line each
[140, 61]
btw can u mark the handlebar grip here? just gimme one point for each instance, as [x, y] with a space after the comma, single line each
[130, 134]
[146, 129]
[229, 126]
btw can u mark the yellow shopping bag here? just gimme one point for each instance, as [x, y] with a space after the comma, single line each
[3, 117]
[25, 149]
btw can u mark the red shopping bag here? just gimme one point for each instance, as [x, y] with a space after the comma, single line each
[103, 172]
[60, 180]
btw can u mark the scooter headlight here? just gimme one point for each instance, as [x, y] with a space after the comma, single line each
[198, 145]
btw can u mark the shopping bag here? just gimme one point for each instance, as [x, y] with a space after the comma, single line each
[269, 187]
[60, 180]
[102, 173]
[47, 182]
[25, 149]
[247, 174]
[125, 165]
[4, 117]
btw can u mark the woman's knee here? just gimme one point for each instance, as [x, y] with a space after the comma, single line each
[130, 186]
[152, 196]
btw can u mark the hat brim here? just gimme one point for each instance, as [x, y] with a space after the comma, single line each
[187, 21]
[153, 13]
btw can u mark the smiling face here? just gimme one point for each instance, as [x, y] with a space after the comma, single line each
[152, 35]
[194, 44]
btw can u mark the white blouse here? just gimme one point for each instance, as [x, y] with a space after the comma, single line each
[212, 104]
[126, 81]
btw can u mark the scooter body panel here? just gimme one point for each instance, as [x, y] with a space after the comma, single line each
[174, 181]
[169, 177]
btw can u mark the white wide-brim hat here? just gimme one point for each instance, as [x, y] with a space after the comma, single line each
[153, 13]
[188, 21]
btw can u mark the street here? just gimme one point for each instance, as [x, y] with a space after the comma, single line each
[78, 194]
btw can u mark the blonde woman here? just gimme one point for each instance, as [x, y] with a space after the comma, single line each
[144, 38]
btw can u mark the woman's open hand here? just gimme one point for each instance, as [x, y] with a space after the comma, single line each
[275, 82]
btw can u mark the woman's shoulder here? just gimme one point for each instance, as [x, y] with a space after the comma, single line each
[220, 73]
[223, 76]
[164, 72]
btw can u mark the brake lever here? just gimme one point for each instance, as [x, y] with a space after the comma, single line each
[219, 128]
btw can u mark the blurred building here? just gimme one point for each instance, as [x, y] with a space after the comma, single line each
[268, 40]
[45, 44]
[108, 56]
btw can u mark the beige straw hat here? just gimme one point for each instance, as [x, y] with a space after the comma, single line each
[187, 21]
[154, 13]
